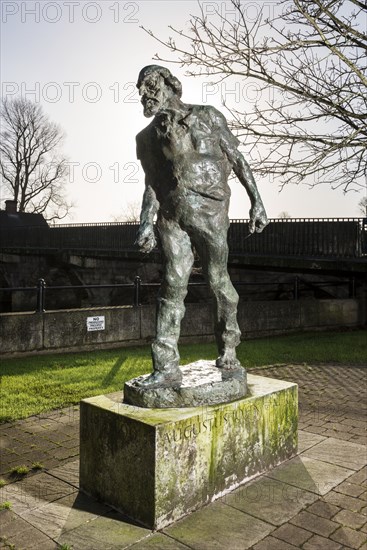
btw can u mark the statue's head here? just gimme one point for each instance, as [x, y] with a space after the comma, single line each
[156, 85]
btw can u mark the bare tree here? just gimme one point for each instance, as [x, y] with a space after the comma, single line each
[308, 61]
[31, 168]
[284, 215]
[362, 207]
[130, 213]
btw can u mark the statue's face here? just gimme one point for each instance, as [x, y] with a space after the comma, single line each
[154, 93]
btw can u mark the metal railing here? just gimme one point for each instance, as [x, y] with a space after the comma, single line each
[307, 237]
[294, 284]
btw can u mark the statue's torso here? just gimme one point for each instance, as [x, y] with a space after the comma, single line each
[182, 156]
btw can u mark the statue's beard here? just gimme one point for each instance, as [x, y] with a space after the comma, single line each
[151, 106]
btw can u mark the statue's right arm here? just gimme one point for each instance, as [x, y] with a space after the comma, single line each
[145, 238]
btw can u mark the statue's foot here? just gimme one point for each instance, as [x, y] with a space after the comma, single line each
[230, 366]
[228, 361]
[162, 379]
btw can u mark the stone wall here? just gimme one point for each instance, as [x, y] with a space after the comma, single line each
[67, 329]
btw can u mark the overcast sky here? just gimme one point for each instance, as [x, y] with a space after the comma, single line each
[80, 60]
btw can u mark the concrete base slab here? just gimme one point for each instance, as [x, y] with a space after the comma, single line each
[202, 384]
[158, 465]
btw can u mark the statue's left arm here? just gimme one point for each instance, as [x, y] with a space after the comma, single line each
[229, 144]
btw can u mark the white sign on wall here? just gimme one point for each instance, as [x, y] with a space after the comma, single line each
[95, 323]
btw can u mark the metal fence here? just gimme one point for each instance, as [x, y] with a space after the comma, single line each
[337, 238]
[308, 237]
[295, 286]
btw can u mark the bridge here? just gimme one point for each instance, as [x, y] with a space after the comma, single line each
[330, 244]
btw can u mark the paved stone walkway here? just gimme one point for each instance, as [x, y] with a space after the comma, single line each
[317, 500]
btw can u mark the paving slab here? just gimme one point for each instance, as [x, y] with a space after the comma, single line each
[271, 543]
[310, 474]
[351, 489]
[44, 445]
[350, 519]
[315, 524]
[270, 500]
[32, 539]
[68, 472]
[323, 509]
[345, 501]
[292, 534]
[321, 543]
[159, 541]
[65, 514]
[11, 524]
[307, 440]
[349, 537]
[343, 453]
[17, 534]
[33, 492]
[110, 532]
[219, 526]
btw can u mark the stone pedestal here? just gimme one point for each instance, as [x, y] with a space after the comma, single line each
[157, 465]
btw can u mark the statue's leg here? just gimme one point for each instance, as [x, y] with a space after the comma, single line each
[178, 261]
[211, 243]
[227, 332]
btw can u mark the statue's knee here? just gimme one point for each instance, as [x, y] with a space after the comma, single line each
[223, 289]
[174, 288]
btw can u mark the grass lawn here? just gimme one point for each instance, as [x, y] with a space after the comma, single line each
[35, 384]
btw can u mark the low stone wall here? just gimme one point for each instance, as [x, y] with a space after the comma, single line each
[67, 329]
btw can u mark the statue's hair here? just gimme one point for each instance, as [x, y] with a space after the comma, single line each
[169, 79]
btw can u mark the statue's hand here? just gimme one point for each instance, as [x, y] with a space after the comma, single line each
[258, 218]
[145, 238]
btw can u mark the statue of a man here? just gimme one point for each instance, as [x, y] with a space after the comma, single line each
[187, 153]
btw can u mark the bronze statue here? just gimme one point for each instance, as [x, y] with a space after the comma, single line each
[187, 153]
